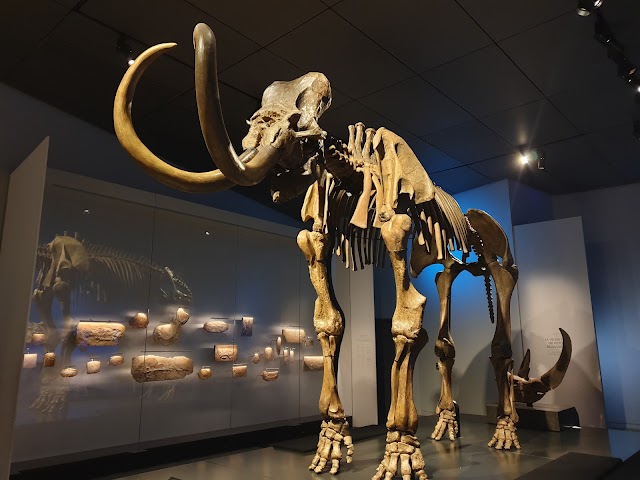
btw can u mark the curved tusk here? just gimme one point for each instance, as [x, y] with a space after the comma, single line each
[554, 376]
[254, 164]
[212, 181]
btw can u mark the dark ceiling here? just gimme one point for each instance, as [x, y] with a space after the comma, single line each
[465, 82]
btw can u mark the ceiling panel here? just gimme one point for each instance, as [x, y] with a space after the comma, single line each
[503, 18]
[259, 70]
[407, 30]
[619, 148]
[29, 21]
[336, 121]
[469, 142]
[623, 16]
[459, 179]
[416, 106]
[432, 159]
[153, 22]
[351, 61]
[263, 22]
[483, 82]
[575, 163]
[561, 55]
[533, 124]
[79, 84]
[597, 108]
[12, 52]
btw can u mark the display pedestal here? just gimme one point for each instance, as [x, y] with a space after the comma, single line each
[541, 417]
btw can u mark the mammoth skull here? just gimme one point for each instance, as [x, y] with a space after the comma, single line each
[287, 119]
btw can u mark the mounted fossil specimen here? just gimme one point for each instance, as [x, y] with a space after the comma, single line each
[247, 326]
[93, 366]
[116, 360]
[169, 333]
[293, 335]
[270, 375]
[225, 353]
[239, 371]
[366, 199]
[313, 363]
[49, 359]
[205, 373]
[153, 368]
[216, 326]
[139, 320]
[99, 334]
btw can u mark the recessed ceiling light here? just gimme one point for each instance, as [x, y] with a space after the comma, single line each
[524, 158]
[86, 211]
[206, 232]
[131, 61]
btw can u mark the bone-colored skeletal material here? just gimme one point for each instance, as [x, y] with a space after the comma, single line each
[99, 334]
[247, 326]
[38, 338]
[204, 373]
[313, 363]
[30, 360]
[239, 371]
[49, 359]
[255, 358]
[293, 335]
[268, 353]
[116, 360]
[216, 326]
[169, 333]
[270, 375]
[225, 353]
[69, 372]
[139, 320]
[166, 333]
[182, 316]
[93, 366]
[153, 368]
[366, 199]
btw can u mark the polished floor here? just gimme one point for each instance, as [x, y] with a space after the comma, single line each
[466, 458]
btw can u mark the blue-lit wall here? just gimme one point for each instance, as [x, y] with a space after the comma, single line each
[611, 232]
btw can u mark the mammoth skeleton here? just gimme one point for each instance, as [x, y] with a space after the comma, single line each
[366, 199]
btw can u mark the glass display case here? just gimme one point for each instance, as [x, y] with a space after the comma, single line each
[131, 300]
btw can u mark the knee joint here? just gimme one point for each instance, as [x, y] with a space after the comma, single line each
[444, 348]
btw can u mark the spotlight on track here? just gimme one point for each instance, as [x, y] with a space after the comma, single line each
[542, 160]
[586, 7]
[524, 158]
[626, 70]
[124, 49]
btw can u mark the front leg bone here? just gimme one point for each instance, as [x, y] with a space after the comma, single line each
[328, 321]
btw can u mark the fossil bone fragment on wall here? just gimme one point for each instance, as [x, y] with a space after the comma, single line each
[169, 333]
[49, 359]
[93, 366]
[255, 358]
[225, 353]
[270, 375]
[182, 316]
[99, 334]
[239, 371]
[216, 326]
[204, 373]
[38, 338]
[116, 359]
[313, 363]
[293, 335]
[247, 326]
[69, 372]
[153, 368]
[30, 360]
[278, 345]
[268, 353]
[139, 320]
[285, 355]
